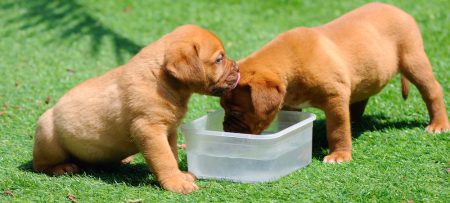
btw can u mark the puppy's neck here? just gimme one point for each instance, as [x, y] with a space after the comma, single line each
[173, 89]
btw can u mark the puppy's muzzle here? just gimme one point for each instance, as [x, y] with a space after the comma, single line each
[234, 77]
[234, 123]
[237, 80]
[229, 81]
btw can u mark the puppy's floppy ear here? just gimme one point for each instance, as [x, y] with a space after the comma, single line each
[267, 96]
[182, 61]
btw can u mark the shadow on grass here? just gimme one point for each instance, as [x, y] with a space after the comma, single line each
[41, 16]
[138, 174]
[369, 123]
[135, 174]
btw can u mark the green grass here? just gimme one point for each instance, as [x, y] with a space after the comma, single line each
[47, 47]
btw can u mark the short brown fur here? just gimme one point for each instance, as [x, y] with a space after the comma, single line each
[336, 68]
[135, 108]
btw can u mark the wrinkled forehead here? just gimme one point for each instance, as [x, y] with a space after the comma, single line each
[209, 44]
[238, 98]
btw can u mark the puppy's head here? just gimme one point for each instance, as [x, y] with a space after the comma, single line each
[196, 58]
[253, 104]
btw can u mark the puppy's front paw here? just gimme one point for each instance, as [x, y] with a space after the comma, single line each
[189, 176]
[438, 127]
[181, 183]
[338, 157]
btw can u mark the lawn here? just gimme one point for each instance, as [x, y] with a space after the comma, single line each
[47, 47]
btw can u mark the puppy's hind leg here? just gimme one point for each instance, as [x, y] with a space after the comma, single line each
[48, 155]
[416, 67]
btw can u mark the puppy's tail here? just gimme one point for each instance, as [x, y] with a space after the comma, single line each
[405, 87]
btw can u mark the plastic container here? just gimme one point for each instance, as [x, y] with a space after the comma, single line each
[284, 147]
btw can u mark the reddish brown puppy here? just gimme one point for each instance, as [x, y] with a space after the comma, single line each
[135, 108]
[334, 67]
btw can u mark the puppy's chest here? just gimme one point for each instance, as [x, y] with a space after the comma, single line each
[176, 114]
[297, 99]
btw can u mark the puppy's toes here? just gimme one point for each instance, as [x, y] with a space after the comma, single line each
[189, 176]
[189, 187]
[437, 127]
[179, 184]
[338, 157]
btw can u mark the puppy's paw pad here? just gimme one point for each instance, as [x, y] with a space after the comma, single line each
[338, 157]
[62, 169]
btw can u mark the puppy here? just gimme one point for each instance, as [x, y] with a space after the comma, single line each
[135, 108]
[336, 68]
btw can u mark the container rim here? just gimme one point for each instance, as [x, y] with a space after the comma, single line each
[188, 126]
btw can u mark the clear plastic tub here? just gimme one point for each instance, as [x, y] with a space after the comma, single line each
[284, 147]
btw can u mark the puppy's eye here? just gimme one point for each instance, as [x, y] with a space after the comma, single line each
[219, 59]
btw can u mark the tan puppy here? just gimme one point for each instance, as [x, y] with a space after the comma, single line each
[135, 108]
[334, 67]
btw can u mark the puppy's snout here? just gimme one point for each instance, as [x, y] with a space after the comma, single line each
[234, 75]
[227, 127]
[228, 80]
[233, 123]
